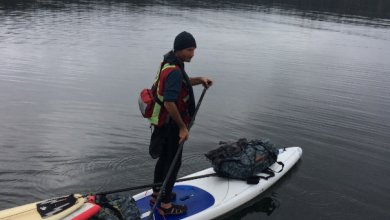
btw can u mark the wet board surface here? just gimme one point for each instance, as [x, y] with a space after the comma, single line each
[195, 198]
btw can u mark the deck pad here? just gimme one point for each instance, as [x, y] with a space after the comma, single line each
[195, 198]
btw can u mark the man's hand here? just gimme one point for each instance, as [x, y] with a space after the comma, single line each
[184, 134]
[201, 80]
[205, 82]
[175, 115]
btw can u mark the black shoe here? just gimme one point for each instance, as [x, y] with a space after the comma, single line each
[173, 196]
[173, 210]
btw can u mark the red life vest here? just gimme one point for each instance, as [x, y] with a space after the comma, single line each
[159, 116]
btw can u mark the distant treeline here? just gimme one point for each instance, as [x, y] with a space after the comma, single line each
[365, 8]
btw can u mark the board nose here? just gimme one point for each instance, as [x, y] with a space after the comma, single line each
[299, 150]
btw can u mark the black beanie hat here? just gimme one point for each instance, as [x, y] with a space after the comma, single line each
[184, 40]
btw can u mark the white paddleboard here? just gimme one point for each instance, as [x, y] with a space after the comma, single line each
[210, 197]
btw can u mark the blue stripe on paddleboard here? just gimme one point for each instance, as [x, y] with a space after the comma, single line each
[195, 198]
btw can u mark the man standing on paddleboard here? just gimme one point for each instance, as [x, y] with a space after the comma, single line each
[174, 88]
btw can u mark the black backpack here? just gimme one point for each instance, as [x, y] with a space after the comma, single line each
[243, 159]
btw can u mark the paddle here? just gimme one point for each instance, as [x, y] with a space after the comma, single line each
[177, 155]
[153, 184]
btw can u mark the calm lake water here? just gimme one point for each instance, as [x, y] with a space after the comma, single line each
[314, 75]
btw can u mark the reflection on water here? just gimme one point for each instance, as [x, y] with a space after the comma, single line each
[266, 205]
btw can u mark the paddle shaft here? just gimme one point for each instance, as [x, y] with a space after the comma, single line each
[154, 184]
[176, 156]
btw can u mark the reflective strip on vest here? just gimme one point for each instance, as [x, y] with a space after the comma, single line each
[186, 98]
[164, 67]
[156, 110]
[167, 66]
[157, 107]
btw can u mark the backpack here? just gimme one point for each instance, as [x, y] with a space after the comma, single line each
[148, 98]
[243, 159]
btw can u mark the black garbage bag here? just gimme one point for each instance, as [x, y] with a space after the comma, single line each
[116, 207]
[243, 159]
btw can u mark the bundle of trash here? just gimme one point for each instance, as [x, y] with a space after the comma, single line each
[116, 207]
[243, 159]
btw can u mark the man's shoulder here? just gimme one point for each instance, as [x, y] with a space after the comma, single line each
[171, 66]
[174, 75]
[168, 69]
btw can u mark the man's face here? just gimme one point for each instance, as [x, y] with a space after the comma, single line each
[186, 54]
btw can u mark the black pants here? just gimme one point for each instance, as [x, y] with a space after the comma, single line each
[171, 145]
